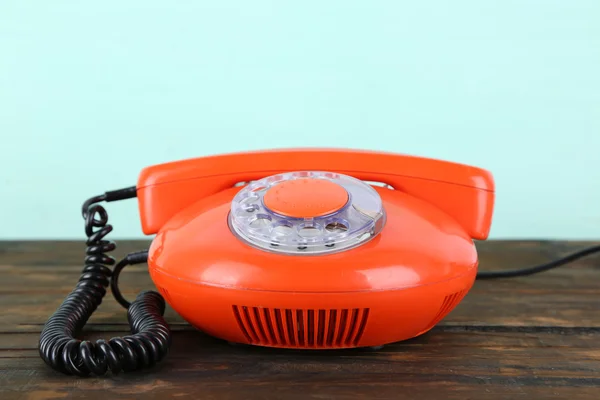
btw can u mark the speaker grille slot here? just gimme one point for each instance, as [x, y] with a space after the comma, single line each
[301, 328]
[165, 293]
[448, 305]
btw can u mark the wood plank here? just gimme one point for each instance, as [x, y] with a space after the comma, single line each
[530, 337]
[495, 254]
[453, 363]
[568, 296]
[61, 278]
[479, 308]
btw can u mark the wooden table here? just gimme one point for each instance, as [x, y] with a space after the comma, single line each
[533, 337]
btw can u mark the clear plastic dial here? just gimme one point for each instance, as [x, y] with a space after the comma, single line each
[360, 219]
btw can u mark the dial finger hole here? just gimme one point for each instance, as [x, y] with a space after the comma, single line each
[283, 229]
[309, 231]
[336, 227]
[260, 221]
[250, 208]
[249, 199]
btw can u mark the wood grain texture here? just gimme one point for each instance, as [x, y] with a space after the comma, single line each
[532, 337]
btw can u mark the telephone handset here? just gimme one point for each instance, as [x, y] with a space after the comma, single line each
[294, 248]
[464, 192]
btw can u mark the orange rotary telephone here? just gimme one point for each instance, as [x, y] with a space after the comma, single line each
[296, 248]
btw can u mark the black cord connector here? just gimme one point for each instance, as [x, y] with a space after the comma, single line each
[121, 194]
[150, 339]
[138, 257]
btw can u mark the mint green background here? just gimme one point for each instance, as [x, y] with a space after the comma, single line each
[512, 86]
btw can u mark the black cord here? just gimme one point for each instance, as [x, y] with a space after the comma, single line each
[150, 339]
[539, 268]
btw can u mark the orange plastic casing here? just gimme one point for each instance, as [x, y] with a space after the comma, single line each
[396, 286]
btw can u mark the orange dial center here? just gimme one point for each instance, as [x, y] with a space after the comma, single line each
[305, 198]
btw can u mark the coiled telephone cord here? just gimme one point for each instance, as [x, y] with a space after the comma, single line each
[150, 337]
